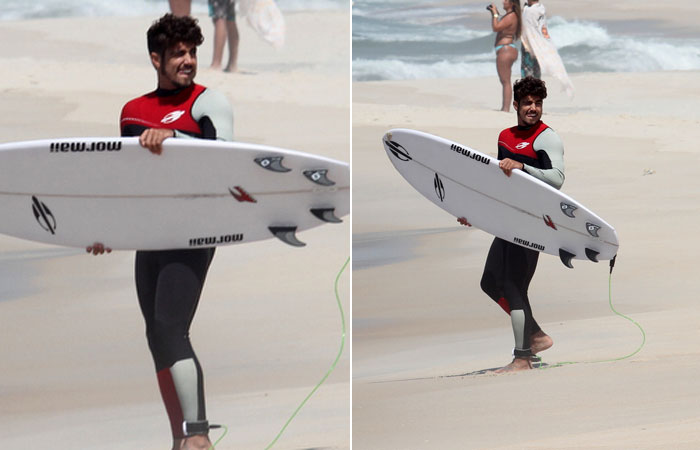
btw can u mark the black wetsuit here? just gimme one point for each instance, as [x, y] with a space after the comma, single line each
[509, 267]
[169, 283]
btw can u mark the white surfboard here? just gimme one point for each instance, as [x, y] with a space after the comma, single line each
[519, 209]
[197, 193]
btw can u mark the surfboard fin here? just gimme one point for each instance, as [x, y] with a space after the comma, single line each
[287, 235]
[326, 214]
[566, 258]
[318, 176]
[273, 163]
[592, 255]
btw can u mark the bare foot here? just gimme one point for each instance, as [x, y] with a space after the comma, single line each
[231, 69]
[540, 342]
[197, 442]
[517, 365]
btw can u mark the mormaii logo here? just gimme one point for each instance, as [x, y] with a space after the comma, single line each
[397, 150]
[528, 244]
[522, 145]
[172, 116]
[43, 215]
[95, 146]
[469, 154]
[439, 187]
[216, 240]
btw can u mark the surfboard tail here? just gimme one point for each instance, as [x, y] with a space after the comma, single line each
[566, 256]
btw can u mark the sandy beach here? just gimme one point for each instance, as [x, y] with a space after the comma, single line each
[76, 372]
[420, 320]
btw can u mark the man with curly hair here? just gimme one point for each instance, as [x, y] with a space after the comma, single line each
[537, 150]
[169, 283]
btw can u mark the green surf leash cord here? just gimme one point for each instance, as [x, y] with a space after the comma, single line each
[644, 335]
[221, 438]
[332, 368]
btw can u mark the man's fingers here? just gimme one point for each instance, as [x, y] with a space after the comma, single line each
[97, 249]
[463, 221]
[152, 139]
[507, 166]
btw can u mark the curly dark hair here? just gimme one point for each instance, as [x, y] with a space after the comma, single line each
[529, 86]
[169, 30]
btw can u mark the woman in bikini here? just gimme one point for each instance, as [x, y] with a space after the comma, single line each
[507, 28]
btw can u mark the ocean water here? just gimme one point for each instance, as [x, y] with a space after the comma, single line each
[44, 9]
[409, 39]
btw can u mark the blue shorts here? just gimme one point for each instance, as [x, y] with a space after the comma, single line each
[529, 67]
[222, 9]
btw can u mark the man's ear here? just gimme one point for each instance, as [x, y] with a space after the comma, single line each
[515, 105]
[156, 60]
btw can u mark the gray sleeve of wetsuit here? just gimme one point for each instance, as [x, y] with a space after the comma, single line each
[216, 107]
[550, 143]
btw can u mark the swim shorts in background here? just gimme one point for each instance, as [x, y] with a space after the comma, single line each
[222, 9]
[529, 67]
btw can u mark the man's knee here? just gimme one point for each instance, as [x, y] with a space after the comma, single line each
[491, 287]
[168, 344]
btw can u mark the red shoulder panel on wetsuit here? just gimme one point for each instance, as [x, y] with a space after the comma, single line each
[164, 111]
[520, 140]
